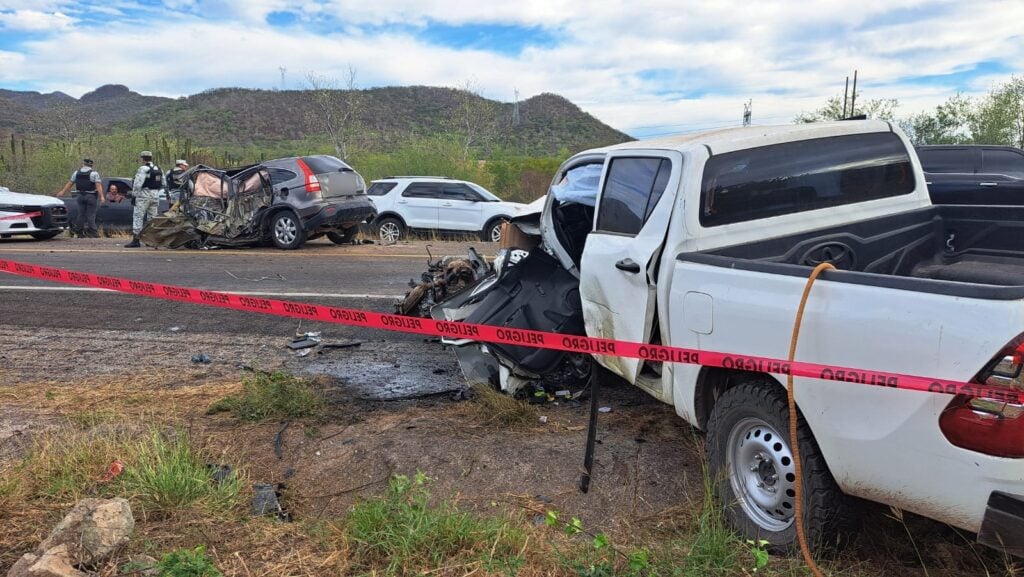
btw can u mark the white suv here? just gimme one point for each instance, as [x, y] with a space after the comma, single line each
[437, 203]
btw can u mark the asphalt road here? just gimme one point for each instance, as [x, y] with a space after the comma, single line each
[357, 276]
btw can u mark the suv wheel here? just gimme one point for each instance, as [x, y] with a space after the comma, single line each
[286, 232]
[754, 473]
[492, 232]
[390, 230]
[346, 236]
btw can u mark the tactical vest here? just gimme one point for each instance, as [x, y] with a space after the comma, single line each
[83, 181]
[155, 178]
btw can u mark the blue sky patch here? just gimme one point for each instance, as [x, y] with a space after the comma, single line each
[499, 38]
[960, 79]
[282, 18]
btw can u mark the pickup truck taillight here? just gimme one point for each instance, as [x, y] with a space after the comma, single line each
[991, 426]
[312, 182]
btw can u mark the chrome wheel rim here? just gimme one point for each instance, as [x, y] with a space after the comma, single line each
[285, 230]
[389, 232]
[762, 473]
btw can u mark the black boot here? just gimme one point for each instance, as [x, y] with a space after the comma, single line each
[134, 243]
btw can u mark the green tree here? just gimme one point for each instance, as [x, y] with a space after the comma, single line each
[949, 124]
[883, 108]
[999, 118]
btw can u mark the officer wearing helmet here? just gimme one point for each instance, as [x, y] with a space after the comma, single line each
[149, 180]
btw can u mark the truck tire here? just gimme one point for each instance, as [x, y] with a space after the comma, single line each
[286, 231]
[752, 469]
[345, 236]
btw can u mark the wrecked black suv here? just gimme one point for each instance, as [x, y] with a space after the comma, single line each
[283, 202]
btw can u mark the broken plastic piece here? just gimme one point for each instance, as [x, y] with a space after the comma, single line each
[200, 358]
[605, 409]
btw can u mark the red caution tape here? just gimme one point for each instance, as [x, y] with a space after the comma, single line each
[21, 216]
[494, 334]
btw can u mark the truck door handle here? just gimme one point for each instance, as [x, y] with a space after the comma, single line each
[446, 204]
[402, 202]
[628, 265]
[988, 184]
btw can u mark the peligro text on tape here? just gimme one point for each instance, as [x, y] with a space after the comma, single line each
[22, 215]
[513, 336]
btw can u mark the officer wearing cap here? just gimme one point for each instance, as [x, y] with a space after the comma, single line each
[149, 180]
[175, 180]
[88, 184]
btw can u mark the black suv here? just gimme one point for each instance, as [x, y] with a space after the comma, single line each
[973, 174]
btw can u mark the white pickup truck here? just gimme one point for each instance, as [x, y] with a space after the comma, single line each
[705, 241]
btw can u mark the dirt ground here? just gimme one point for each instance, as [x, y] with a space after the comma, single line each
[648, 467]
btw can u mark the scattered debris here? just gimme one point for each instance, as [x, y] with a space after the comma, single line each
[219, 473]
[304, 340]
[174, 329]
[543, 419]
[347, 345]
[88, 535]
[112, 471]
[143, 565]
[279, 441]
[605, 409]
[444, 278]
[304, 352]
[265, 501]
[262, 278]
[201, 358]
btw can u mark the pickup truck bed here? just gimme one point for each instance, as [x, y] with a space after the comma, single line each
[977, 251]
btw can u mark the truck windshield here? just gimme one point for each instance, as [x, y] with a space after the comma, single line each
[804, 175]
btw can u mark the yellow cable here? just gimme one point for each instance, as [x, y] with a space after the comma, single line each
[793, 440]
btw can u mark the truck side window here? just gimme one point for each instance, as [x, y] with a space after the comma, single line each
[803, 175]
[631, 191]
[947, 160]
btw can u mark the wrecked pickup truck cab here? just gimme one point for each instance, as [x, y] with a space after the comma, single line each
[706, 241]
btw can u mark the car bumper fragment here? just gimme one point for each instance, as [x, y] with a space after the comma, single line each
[1002, 527]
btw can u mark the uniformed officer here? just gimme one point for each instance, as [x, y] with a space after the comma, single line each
[88, 184]
[175, 182]
[149, 180]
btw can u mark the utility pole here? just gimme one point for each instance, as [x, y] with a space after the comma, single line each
[748, 109]
[846, 94]
[853, 96]
[515, 108]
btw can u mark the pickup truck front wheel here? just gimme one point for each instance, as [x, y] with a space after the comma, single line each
[755, 475]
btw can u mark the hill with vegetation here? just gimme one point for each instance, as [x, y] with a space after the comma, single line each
[414, 129]
[379, 119]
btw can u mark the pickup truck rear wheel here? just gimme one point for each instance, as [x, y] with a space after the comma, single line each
[754, 473]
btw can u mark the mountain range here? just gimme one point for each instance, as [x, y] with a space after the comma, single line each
[378, 118]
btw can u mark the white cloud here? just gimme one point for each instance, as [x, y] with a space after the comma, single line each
[787, 56]
[34, 20]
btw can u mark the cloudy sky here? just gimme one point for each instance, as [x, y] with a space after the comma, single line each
[647, 67]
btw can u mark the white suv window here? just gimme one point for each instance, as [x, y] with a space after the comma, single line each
[422, 190]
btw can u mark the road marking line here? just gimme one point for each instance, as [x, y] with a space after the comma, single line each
[244, 293]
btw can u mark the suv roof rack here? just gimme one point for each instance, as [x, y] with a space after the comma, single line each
[420, 176]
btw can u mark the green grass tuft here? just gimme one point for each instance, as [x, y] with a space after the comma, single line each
[169, 474]
[273, 396]
[400, 533]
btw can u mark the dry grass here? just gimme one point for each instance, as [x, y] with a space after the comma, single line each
[496, 409]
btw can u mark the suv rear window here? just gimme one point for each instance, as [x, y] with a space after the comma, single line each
[805, 175]
[322, 164]
[381, 188]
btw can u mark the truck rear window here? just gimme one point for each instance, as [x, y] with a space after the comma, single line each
[805, 175]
